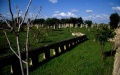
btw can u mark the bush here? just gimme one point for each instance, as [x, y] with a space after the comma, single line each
[103, 34]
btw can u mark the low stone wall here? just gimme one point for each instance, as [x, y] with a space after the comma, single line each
[40, 55]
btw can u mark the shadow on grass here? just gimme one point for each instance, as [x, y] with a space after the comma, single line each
[109, 53]
[45, 41]
[58, 30]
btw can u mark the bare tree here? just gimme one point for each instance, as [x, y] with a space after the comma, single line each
[16, 30]
[37, 33]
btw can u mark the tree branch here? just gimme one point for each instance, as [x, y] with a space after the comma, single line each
[18, 12]
[25, 15]
[10, 44]
[38, 12]
[36, 34]
[8, 24]
[24, 61]
[10, 10]
[34, 37]
[33, 11]
[12, 28]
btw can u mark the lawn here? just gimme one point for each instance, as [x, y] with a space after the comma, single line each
[48, 37]
[84, 59]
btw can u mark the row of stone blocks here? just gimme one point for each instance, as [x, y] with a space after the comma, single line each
[41, 55]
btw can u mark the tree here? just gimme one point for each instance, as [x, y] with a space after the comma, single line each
[41, 21]
[102, 35]
[11, 25]
[80, 21]
[88, 22]
[63, 21]
[48, 22]
[36, 21]
[73, 21]
[3, 25]
[114, 20]
[55, 22]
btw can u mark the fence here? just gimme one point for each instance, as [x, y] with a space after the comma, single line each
[40, 55]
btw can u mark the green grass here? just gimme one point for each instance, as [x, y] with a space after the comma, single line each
[52, 37]
[84, 59]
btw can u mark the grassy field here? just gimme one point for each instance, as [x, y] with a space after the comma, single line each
[48, 37]
[85, 59]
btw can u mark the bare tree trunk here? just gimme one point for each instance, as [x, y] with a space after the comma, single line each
[27, 50]
[19, 53]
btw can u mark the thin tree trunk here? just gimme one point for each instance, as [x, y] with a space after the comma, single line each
[19, 53]
[27, 50]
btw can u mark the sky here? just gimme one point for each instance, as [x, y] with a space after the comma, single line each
[96, 10]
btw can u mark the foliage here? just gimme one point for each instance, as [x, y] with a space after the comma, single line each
[64, 21]
[48, 22]
[89, 22]
[39, 21]
[103, 24]
[42, 35]
[80, 21]
[73, 21]
[56, 21]
[114, 20]
[103, 34]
